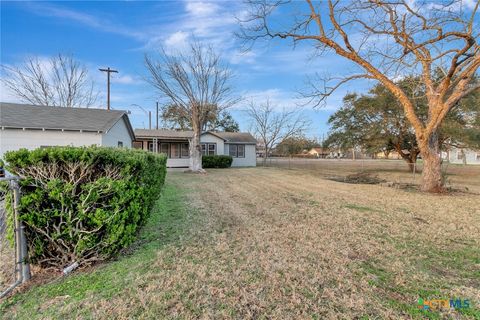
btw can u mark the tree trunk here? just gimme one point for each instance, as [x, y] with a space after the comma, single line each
[411, 164]
[464, 157]
[265, 156]
[432, 180]
[195, 149]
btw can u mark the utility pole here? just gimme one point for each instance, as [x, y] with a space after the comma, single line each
[150, 120]
[108, 71]
[156, 127]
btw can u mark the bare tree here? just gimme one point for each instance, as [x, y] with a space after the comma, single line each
[193, 81]
[386, 39]
[60, 81]
[271, 127]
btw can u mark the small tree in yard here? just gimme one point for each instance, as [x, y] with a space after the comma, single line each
[193, 81]
[385, 40]
[61, 81]
[272, 127]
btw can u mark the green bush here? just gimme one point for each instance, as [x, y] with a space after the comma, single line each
[217, 161]
[84, 204]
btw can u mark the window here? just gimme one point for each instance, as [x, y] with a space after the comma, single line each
[185, 151]
[478, 156]
[175, 150]
[209, 149]
[237, 150]
[164, 148]
[137, 144]
[150, 146]
[241, 151]
[120, 144]
[459, 155]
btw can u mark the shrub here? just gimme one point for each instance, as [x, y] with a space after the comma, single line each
[217, 161]
[84, 204]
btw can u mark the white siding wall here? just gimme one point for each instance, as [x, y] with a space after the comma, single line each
[471, 156]
[178, 163]
[250, 159]
[210, 138]
[119, 132]
[15, 139]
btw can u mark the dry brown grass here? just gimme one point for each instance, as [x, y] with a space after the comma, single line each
[459, 177]
[283, 244]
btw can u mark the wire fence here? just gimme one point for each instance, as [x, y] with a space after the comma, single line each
[397, 171]
[14, 267]
[7, 252]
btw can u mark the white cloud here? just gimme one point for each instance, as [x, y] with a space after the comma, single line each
[125, 79]
[278, 99]
[177, 41]
[201, 8]
[91, 21]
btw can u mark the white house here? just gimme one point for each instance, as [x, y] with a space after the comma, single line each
[239, 145]
[463, 156]
[31, 127]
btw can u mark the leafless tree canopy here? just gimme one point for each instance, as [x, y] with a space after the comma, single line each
[62, 81]
[193, 81]
[385, 39]
[271, 126]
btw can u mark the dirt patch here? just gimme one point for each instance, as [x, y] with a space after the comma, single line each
[359, 178]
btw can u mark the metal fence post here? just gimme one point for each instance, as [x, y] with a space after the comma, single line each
[414, 171]
[21, 243]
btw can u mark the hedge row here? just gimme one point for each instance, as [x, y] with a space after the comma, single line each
[217, 161]
[84, 204]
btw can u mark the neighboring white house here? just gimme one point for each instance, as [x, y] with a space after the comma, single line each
[456, 155]
[240, 145]
[31, 127]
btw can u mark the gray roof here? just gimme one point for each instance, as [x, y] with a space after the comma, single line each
[163, 134]
[14, 115]
[228, 137]
[236, 137]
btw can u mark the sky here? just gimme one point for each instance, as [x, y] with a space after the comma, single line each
[118, 34]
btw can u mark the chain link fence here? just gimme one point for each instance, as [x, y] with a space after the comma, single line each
[464, 177]
[14, 268]
[7, 252]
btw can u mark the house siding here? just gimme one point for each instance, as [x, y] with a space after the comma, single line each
[119, 132]
[250, 159]
[210, 138]
[15, 139]
[470, 155]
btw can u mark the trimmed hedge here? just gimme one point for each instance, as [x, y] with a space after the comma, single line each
[84, 204]
[217, 161]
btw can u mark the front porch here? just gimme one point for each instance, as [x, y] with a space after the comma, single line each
[177, 150]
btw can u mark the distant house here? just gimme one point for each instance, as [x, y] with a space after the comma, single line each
[31, 127]
[318, 152]
[175, 144]
[463, 156]
[391, 155]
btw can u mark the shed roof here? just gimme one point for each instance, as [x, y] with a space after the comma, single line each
[24, 116]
